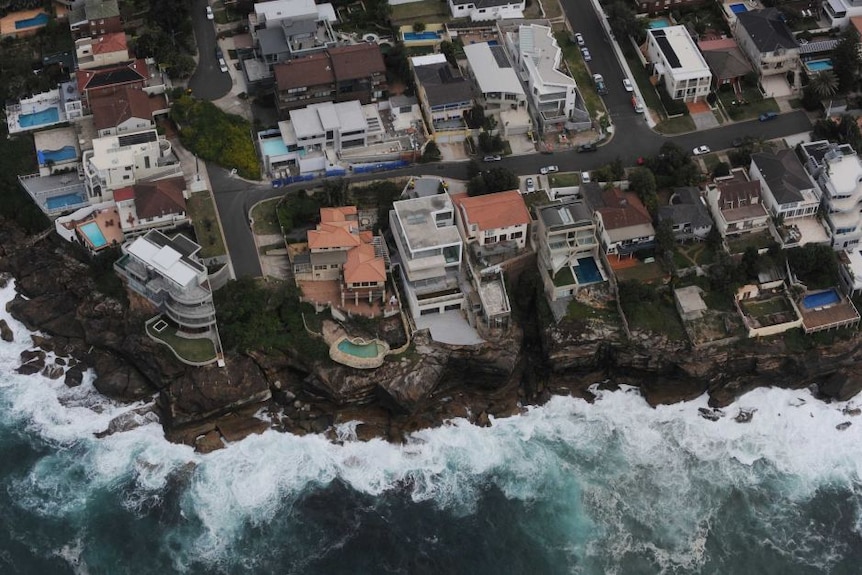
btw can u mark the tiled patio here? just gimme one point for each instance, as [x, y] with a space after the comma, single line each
[329, 293]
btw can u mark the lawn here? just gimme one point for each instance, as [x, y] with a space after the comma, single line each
[265, 217]
[642, 272]
[754, 106]
[759, 240]
[657, 317]
[697, 252]
[538, 198]
[565, 179]
[426, 11]
[564, 277]
[196, 350]
[582, 311]
[206, 223]
[767, 307]
[579, 71]
[678, 125]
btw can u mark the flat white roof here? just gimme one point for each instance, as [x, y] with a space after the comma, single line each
[317, 119]
[854, 263]
[165, 260]
[281, 9]
[429, 59]
[680, 42]
[420, 226]
[538, 43]
[490, 76]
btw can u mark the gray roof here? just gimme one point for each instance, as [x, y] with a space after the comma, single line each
[817, 47]
[686, 207]
[272, 41]
[485, 3]
[568, 213]
[99, 9]
[443, 84]
[402, 101]
[767, 29]
[784, 174]
[727, 63]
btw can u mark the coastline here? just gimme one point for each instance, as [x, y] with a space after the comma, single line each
[204, 407]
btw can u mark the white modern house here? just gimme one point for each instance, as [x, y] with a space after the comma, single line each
[677, 61]
[481, 10]
[119, 161]
[787, 190]
[444, 93]
[554, 100]
[839, 12]
[850, 271]
[314, 136]
[838, 171]
[284, 29]
[431, 251]
[495, 77]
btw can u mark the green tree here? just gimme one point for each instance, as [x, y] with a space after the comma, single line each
[824, 84]
[665, 241]
[448, 50]
[492, 181]
[846, 61]
[749, 265]
[431, 153]
[642, 182]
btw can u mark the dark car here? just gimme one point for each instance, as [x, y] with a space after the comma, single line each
[766, 116]
[739, 142]
[587, 148]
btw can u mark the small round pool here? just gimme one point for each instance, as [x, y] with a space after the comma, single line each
[359, 353]
[364, 349]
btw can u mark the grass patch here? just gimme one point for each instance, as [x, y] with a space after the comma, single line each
[196, 350]
[581, 311]
[206, 223]
[564, 277]
[658, 317]
[538, 198]
[578, 68]
[265, 217]
[754, 106]
[427, 12]
[711, 161]
[642, 272]
[758, 240]
[795, 103]
[766, 307]
[678, 125]
[565, 180]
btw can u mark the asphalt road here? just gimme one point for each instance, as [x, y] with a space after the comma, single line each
[632, 139]
[208, 82]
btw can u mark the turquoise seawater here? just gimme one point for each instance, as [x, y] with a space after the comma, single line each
[569, 488]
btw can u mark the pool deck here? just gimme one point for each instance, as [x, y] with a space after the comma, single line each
[37, 103]
[833, 316]
[57, 139]
[109, 223]
[7, 23]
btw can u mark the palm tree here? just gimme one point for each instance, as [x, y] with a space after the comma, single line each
[824, 84]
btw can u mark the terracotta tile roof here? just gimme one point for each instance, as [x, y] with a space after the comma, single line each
[112, 42]
[329, 235]
[111, 110]
[356, 61]
[156, 199]
[363, 265]
[856, 22]
[314, 70]
[622, 210]
[338, 214]
[493, 211]
[123, 194]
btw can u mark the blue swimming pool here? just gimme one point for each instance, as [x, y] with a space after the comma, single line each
[61, 155]
[37, 20]
[273, 147]
[417, 36]
[58, 202]
[366, 350]
[819, 65]
[492, 43]
[42, 117]
[658, 23]
[821, 299]
[92, 232]
[587, 271]
[738, 8]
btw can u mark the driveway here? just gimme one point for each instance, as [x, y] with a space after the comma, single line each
[208, 82]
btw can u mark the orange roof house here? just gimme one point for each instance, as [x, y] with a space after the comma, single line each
[493, 218]
[364, 268]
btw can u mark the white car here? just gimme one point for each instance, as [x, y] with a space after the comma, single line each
[586, 54]
[549, 170]
[701, 150]
[222, 65]
[530, 186]
[579, 39]
[210, 15]
[585, 178]
[627, 84]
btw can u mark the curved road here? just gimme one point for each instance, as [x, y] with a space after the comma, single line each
[632, 139]
[208, 82]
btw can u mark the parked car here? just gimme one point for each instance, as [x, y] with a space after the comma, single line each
[701, 150]
[549, 170]
[494, 158]
[766, 116]
[739, 142]
[587, 148]
[210, 14]
[585, 178]
[579, 39]
[222, 65]
[586, 54]
[530, 185]
[601, 89]
[627, 84]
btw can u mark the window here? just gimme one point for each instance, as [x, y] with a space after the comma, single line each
[516, 235]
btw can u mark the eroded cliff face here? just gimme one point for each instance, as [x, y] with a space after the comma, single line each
[423, 387]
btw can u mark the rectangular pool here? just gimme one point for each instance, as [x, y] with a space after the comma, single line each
[273, 147]
[64, 153]
[738, 8]
[587, 271]
[419, 36]
[658, 23]
[819, 65]
[821, 299]
[93, 234]
[58, 202]
[47, 116]
[37, 20]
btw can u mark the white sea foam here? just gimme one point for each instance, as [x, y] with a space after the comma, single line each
[648, 480]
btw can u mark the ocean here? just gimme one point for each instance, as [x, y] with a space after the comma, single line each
[614, 487]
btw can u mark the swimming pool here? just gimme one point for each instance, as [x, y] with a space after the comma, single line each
[64, 153]
[418, 36]
[58, 202]
[273, 147]
[821, 299]
[37, 20]
[658, 23]
[93, 234]
[587, 271]
[819, 65]
[47, 116]
[738, 8]
[367, 350]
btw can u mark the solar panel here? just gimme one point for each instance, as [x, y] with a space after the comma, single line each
[500, 56]
[140, 138]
